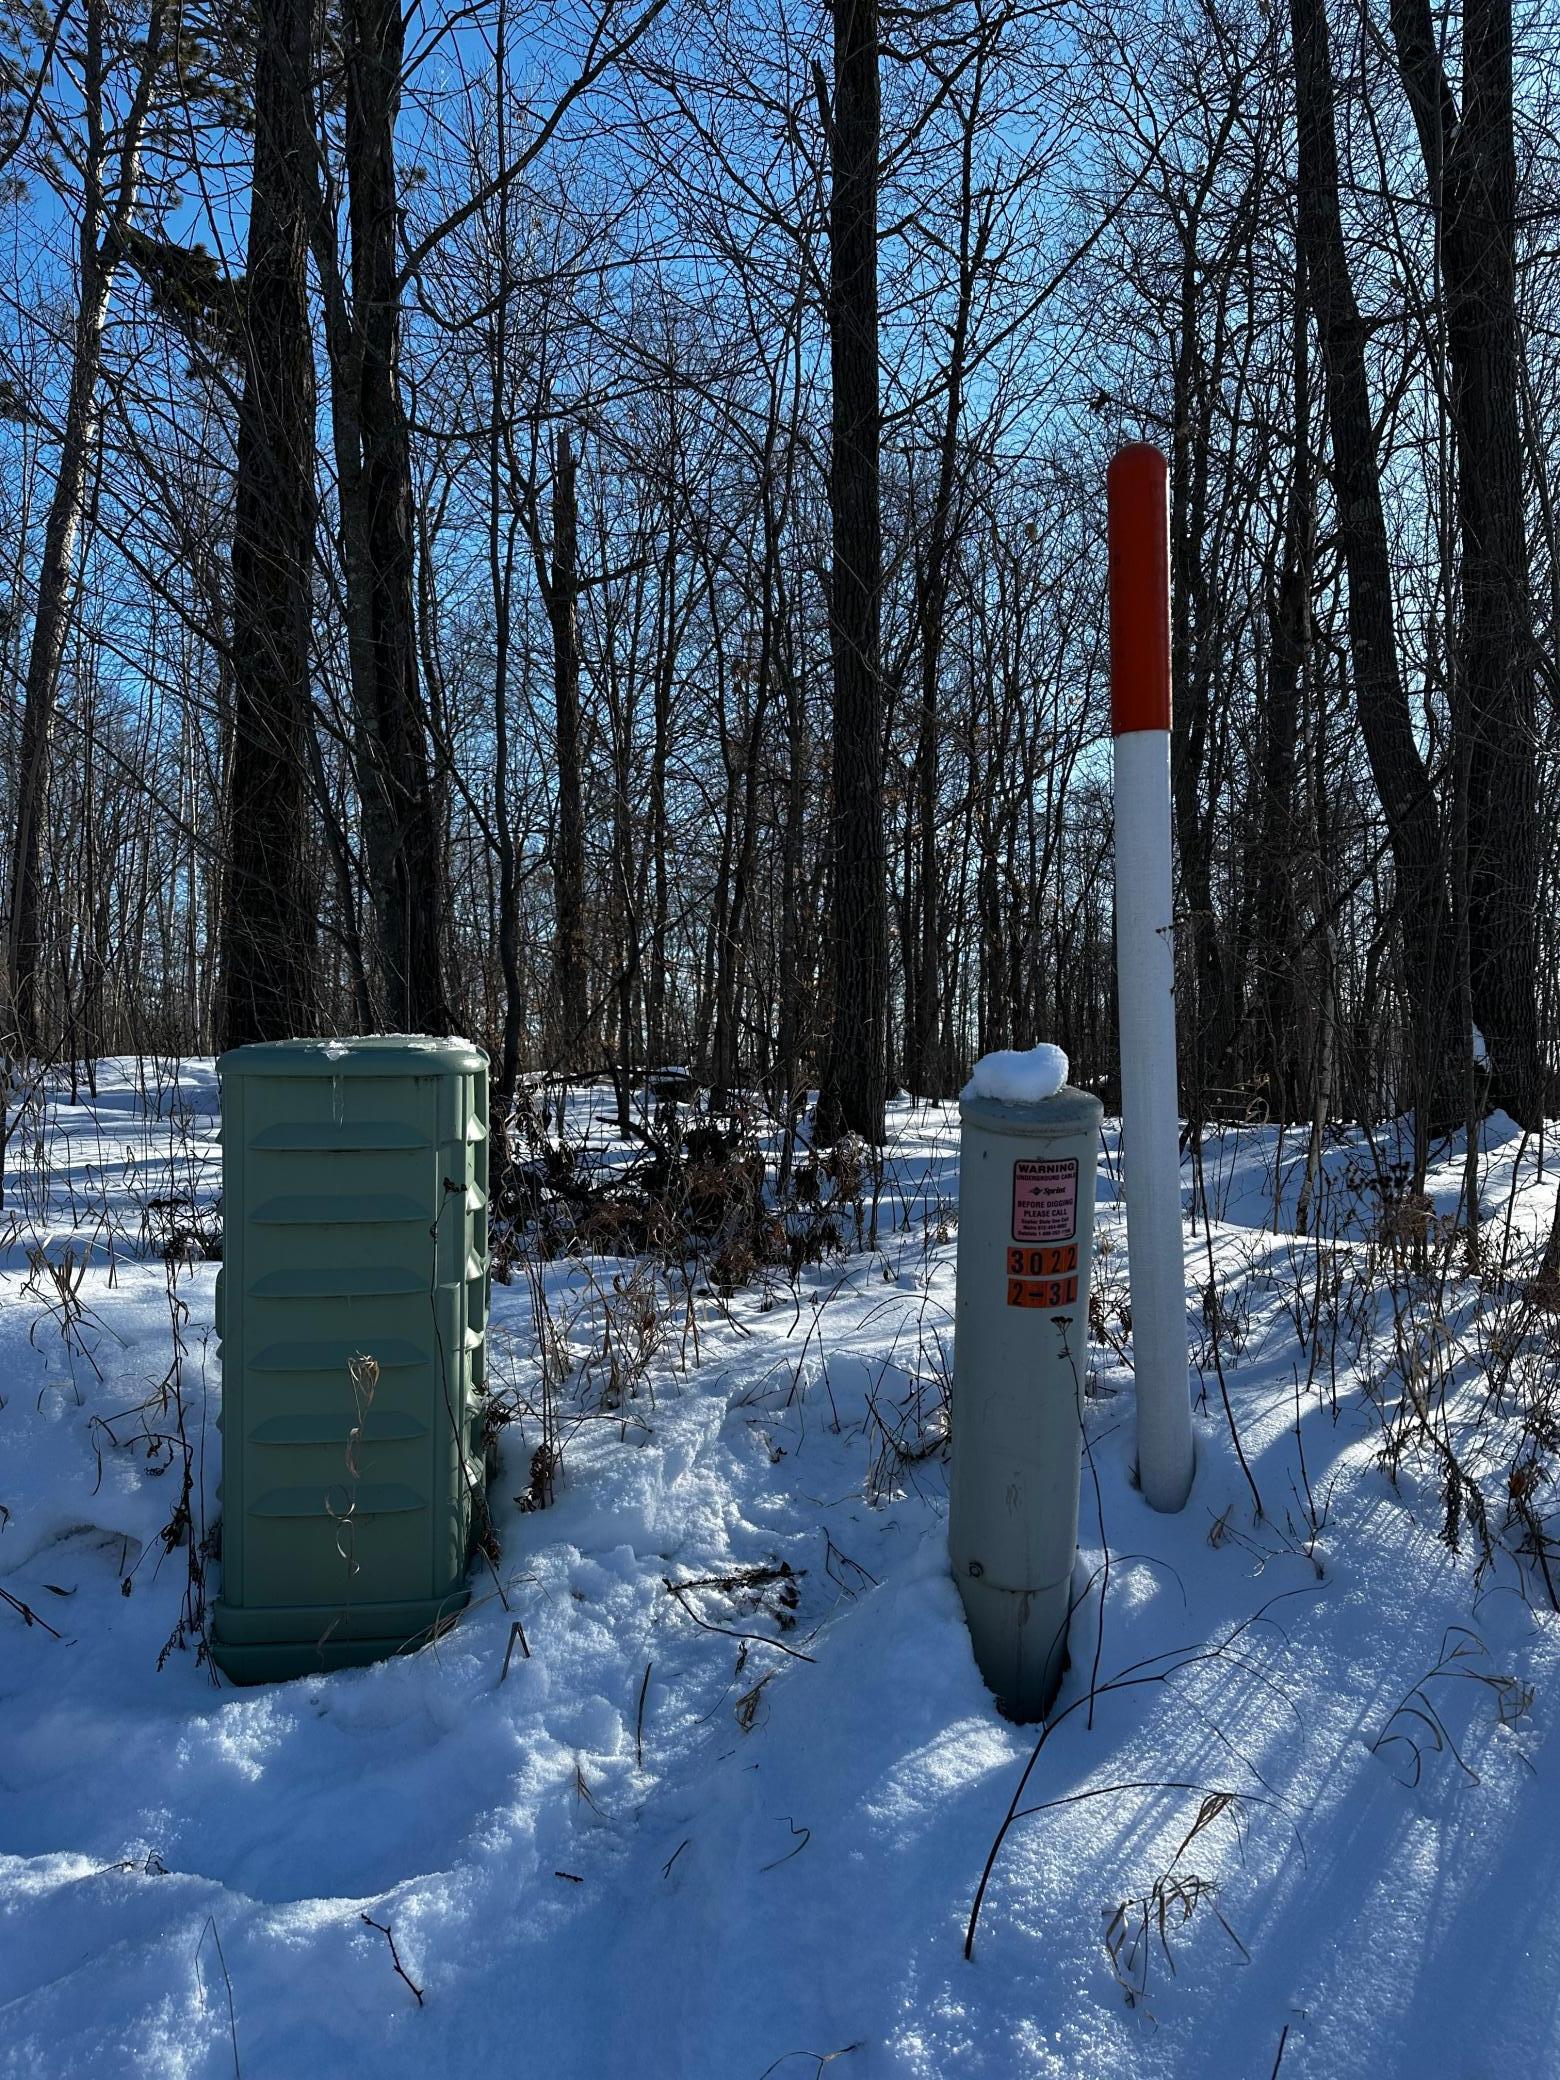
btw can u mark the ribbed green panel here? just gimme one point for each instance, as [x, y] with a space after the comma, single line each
[355, 1187]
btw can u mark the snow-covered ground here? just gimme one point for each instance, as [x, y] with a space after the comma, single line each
[657, 1850]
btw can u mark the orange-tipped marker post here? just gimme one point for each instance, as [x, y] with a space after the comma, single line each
[1137, 488]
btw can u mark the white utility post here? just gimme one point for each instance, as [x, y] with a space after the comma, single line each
[1138, 503]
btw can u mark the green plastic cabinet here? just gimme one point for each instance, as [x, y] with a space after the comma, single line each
[352, 1309]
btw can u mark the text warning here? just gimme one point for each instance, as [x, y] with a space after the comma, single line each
[1045, 1199]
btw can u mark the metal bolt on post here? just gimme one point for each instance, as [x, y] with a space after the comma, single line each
[1026, 1222]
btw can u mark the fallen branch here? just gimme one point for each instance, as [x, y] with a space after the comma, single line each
[729, 1631]
[395, 1955]
[28, 1615]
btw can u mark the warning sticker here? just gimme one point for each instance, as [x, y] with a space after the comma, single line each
[1045, 1199]
[1041, 1292]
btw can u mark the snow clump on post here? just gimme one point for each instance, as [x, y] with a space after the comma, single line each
[1019, 1076]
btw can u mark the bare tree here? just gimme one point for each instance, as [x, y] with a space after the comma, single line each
[1471, 175]
[107, 162]
[558, 575]
[269, 895]
[1397, 765]
[857, 1075]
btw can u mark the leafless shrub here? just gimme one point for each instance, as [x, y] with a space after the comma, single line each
[164, 1420]
[1226, 1321]
[363, 1372]
[904, 1433]
[54, 1281]
[695, 1194]
[748, 1702]
[552, 1366]
[1135, 1926]
[633, 1328]
[1110, 1297]
[178, 1227]
[1417, 1724]
[1153, 1671]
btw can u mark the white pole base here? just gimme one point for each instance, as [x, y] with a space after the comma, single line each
[1151, 1127]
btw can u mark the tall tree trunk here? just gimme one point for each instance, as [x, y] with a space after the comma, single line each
[858, 1060]
[731, 957]
[1275, 994]
[501, 565]
[105, 219]
[1470, 166]
[571, 972]
[791, 1020]
[732, 962]
[926, 1071]
[622, 702]
[51, 623]
[669, 625]
[337, 846]
[406, 866]
[269, 908]
[1192, 636]
[501, 544]
[1408, 804]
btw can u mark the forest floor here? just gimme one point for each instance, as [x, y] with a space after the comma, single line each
[1322, 1845]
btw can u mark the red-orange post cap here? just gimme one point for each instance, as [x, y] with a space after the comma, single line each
[1137, 502]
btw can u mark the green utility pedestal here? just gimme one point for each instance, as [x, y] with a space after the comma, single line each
[352, 1309]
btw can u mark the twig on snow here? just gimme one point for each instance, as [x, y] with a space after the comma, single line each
[227, 1982]
[28, 1615]
[639, 1723]
[730, 1632]
[395, 1955]
[820, 2059]
[516, 1632]
[806, 1837]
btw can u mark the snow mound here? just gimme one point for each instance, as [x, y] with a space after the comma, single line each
[1019, 1076]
